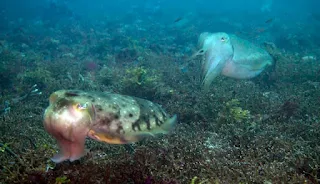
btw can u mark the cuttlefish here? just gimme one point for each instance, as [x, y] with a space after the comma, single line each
[74, 115]
[231, 56]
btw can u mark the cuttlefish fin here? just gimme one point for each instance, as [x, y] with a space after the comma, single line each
[104, 137]
[258, 66]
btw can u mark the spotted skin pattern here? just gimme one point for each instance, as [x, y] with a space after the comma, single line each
[74, 115]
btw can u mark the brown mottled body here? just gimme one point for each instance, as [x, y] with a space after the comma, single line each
[112, 118]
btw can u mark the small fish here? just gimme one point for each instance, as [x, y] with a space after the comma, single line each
[260, 30]
[269, 21]
[178, 19]
[74, 115]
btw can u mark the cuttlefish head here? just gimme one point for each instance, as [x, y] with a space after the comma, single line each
[68, 119]
[216, 49]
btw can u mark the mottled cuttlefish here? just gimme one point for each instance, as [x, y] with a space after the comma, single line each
[74, 115]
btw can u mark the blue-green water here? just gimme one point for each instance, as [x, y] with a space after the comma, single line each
[247, 100]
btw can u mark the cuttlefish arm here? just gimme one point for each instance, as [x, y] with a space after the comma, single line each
[70, 138]
[217, 50]
[68, 121]
[211, 68]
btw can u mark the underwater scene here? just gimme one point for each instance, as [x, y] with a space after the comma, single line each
[159, 91]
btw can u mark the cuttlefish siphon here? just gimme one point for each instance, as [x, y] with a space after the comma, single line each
[74, 115]
[231, 56]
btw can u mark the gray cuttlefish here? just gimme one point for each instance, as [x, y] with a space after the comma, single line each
[231, 56]
[74, 115]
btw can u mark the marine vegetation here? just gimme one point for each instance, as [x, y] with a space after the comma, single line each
[236, 112]
[141, 82]
[10, 65]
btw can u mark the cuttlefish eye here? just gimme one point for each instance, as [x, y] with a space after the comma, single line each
[223, 39]
[80, 106]
[80, 109]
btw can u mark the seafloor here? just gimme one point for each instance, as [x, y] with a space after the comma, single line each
[264, 130]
